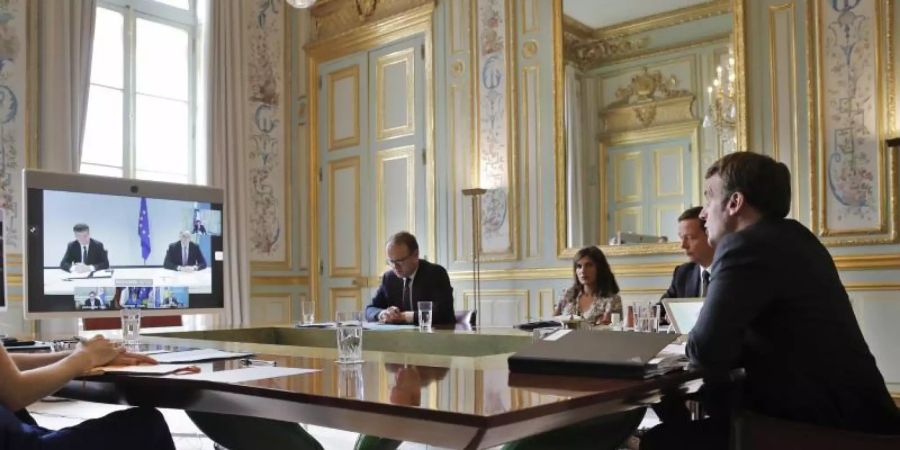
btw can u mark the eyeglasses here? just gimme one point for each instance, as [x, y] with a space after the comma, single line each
[397, 262]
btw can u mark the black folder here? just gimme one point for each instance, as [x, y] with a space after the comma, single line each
[608, 354]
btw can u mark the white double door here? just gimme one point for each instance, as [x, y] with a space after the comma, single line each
[372, 166]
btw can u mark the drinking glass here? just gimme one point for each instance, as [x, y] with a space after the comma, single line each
[351, 382]
[641, 318]
[349, 336]
[131, 325]
[307, 312]
[425, 313]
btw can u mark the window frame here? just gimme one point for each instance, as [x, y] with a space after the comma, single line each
[185, 20]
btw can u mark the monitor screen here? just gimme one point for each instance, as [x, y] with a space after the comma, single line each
[95, 245]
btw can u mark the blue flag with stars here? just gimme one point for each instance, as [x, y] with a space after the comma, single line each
[144, 230]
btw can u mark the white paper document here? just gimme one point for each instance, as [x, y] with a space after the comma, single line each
[147, 369]
[203, 354]
[246, 374]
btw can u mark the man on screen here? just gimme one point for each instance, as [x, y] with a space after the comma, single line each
[93, 302]
[84, 254]
[184, 255]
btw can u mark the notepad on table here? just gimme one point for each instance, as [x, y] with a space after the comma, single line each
[203, 354]
[145, 369]
[246, 374]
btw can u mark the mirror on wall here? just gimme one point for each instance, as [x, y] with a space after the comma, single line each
[646, 97]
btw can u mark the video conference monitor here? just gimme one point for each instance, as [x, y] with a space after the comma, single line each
[95, 245]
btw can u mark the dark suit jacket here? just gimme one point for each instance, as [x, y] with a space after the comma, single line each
[431, 283]
[685, 284]
[776, 307]
[96, 303]
[173, 256]
[685, 281]
[96, 256]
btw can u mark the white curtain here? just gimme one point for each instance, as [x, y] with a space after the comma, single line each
[574, 159]
[226, 100]
[65, 43]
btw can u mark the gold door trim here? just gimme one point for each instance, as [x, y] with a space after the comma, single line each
[404, 56]
[353, 163]
[334, 143]
[336, 292]
[407, 152]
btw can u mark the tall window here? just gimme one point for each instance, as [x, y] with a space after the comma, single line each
[142, 108]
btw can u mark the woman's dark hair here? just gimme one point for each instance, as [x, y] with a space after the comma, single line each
[606, 281]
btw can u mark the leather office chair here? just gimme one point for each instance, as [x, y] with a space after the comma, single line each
[757, 432]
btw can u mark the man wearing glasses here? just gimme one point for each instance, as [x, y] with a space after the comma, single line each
[410, 280]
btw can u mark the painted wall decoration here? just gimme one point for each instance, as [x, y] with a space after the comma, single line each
[266, 147]
[852, 157]
[492, 50]
[13, 37]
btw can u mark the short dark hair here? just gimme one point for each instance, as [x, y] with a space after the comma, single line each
[693, 213]
[406, 238]
[764, 182]
[79, 227]
[606, 281]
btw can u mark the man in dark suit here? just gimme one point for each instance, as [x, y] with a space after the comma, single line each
[687, 280]
[777, 309]
[409, 281]
[93, 302]
[84, 254]
[184, 255]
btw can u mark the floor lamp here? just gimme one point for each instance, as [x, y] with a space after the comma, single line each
[475, 194]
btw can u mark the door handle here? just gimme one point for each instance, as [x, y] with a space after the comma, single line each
[360, 282]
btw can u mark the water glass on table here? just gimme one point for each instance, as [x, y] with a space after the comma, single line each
[131, 325]
[425, 313]
[307, 312]
[349, 336]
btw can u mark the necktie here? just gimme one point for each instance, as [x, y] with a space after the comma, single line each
[704, 275]
[406, 300]
[84, 254]
[184, 256]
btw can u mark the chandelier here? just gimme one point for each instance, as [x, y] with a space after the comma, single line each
[301, 3]
[721, 112]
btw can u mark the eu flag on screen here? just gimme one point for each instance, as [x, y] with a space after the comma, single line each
[144, 230]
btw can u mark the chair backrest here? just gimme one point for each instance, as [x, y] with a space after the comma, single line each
[465, 317]
[756, 432]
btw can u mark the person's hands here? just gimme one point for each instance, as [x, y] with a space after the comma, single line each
[408, 317]
[99, 350]
[186, 268]
[390, 315]
[80, 268]
[131, 359]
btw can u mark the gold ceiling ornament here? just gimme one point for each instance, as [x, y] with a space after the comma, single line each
[589, 52]
[365, 8]
[333, 18]
[651, 98]
[648, 86]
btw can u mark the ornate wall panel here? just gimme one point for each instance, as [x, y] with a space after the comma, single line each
[394, 79]
[495, 96]
[270, 309]
[855, 177]
[343, 104]
[500, 307]
[395, 196]
[268, 156]
[532, 184]
[344, 240]
[13, 112]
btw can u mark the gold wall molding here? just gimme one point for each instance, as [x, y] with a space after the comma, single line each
[649, 99]
[886, 231]
[332, 18]
[885, 286]
[588, 53]
[668, 50]
[666, 19]
[275, 280]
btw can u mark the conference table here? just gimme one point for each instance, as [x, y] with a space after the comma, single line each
[462, 394]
